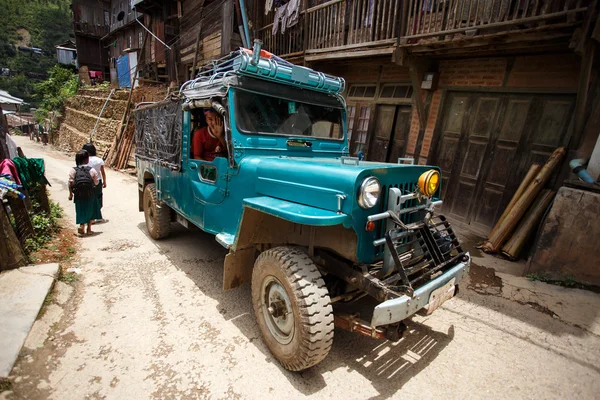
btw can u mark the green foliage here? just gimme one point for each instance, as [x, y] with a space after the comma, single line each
[52, 93]
[47, 23]
[569, 281]
[68, 277]
[45, 225]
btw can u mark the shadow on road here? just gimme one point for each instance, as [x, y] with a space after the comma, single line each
[388, 366]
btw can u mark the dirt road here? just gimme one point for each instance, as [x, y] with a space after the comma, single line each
[148, 320]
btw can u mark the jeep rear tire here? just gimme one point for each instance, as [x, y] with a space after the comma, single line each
[158, 218]
[292, 307]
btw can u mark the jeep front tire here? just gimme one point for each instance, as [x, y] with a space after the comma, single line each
[292, 307]
[158, 218]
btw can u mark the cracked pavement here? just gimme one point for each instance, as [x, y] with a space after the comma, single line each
[149, 320]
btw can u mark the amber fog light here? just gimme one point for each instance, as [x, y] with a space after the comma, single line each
[429, 182]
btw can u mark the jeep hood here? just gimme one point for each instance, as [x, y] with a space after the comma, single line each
[322, 182]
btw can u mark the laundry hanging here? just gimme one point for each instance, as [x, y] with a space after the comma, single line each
[293, 13]
[280, 18]
[268, 6]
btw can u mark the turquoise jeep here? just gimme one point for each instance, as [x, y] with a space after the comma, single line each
[310, 228]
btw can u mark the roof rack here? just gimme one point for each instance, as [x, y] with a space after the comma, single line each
[265, 66]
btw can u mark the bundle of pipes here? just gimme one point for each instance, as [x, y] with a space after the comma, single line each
[518, 212]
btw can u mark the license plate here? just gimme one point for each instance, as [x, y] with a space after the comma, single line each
[182, 220]
[440, 295]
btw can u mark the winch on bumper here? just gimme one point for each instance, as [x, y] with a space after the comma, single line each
[423, 260]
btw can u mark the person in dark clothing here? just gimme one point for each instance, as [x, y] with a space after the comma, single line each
[82, 181]
[98, 164]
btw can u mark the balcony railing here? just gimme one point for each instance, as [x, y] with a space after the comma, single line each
[289, 43]
[87, 29]
[352, 24]
[337, 24]
[438, 18]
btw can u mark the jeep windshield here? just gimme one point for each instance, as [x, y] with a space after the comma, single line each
[259, 113]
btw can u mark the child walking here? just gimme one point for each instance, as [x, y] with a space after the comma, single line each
[98, 164]
[82, 182]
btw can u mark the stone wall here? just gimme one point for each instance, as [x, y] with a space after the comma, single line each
[80, 115]
[568, 242]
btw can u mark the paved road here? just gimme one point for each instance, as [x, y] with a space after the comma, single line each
[148, 320]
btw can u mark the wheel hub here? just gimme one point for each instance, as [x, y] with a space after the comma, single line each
[277, 308]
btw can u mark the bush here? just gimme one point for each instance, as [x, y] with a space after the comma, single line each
[53, 92]
[45, 225]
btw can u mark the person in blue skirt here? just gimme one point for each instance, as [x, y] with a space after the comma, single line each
[83, 180]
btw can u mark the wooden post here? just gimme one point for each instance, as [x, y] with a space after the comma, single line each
[512, 248]
[514, 216]
[533, 171]
[193, 72]
[22, 220]
[11, 253]
[583, 89]
[3, 130]
[114, 149]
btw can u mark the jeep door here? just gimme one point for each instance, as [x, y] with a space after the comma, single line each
[207, 180]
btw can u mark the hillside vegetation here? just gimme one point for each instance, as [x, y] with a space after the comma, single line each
[31, 23]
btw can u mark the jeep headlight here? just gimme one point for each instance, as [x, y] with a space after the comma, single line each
[429, 182]
[369, 192]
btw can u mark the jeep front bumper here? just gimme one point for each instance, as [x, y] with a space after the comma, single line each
[398, 309]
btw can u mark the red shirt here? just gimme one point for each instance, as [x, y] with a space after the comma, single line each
[205, 146]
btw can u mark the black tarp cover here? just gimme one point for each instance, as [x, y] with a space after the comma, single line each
[158, 133]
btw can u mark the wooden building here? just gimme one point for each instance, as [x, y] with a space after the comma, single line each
[482, 88]
[91, 21]
[200, 30]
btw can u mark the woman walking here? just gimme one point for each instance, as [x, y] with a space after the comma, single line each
[97, 164]
[82, 182]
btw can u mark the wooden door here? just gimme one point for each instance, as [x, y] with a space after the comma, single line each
[384, 123]
[392, 125]
[487, 142]
[503, 159]
[453, 122]
[401, 131]
[474, 142]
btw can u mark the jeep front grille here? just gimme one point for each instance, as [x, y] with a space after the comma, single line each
[383, 206]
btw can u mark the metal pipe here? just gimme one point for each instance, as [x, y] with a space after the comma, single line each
[577, 166]
[245, 21]
[150, 32]
[256, 51]
[100, 115]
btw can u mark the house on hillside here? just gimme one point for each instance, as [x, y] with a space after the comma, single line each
[91, 22]
[123, 42]
[66, 53]
[200, 30]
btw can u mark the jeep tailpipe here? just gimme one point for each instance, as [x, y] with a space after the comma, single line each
[256, 51]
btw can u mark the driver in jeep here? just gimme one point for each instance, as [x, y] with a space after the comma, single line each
[209, 142]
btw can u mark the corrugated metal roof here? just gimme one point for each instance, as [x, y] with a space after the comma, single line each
[6, 98]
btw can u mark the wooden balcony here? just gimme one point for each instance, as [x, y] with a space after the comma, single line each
[360, 28]
[436, 23]
[364, 27]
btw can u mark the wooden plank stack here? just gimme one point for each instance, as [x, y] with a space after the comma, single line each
[524, 211]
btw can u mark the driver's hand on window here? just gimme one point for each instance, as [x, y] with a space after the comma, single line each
[218, 128]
